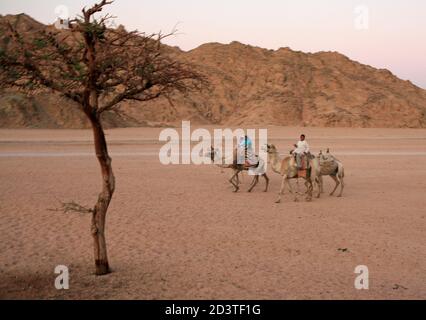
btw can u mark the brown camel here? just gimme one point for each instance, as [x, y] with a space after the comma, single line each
[237, 169]
[288, 170]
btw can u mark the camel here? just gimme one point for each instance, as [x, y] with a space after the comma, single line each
[287, 169]
[237, 169]
[331, 166]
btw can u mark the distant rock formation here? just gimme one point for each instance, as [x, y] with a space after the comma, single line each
[249, 86]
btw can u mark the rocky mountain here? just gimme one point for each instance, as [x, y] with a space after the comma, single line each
[249, 86]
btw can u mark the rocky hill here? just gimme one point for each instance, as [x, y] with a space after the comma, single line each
[250, 86]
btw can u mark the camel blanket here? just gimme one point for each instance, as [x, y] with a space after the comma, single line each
[302, 173]
[328, 166]
[259, 170]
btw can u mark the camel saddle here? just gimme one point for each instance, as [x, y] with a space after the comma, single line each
[248, 165]
[304, 171]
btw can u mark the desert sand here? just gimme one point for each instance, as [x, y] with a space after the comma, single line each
[178, 232]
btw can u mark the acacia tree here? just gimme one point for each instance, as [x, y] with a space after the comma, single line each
[98, 68]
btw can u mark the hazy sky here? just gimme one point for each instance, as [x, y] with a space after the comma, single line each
[384, 34]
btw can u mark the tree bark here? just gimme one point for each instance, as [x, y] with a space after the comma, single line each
[104, 199]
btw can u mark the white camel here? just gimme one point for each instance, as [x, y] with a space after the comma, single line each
[333, 167]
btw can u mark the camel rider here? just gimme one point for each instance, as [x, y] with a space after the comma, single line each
[246, 155]
[302, 148]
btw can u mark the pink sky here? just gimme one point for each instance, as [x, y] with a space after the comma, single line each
[395, 38]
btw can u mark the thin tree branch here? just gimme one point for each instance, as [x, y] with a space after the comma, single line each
[72, 207]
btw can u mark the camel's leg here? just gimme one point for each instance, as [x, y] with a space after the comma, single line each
[242, 176]
[233, 178]
[336, 180]
[267, 182]
[232, 174]
[307, 186]
[318, 184]
[296, 199]
[290, 188]
[237, 178]
[310, 190]
[283, 181]
[321, 181]
[296, 196]
[236, 187]
[254, 183]
[342, 185]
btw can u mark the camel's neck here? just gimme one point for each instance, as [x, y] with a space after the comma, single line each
[275, 161]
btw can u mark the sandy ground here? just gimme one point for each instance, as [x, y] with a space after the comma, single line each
[178, 232]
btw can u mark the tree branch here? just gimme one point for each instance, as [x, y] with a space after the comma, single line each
[74, 207]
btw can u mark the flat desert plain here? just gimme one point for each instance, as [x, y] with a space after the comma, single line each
[178, 231]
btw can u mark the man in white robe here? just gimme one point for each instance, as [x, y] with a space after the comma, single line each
[302, 147]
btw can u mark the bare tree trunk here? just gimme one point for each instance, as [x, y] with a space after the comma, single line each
[104, 199]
